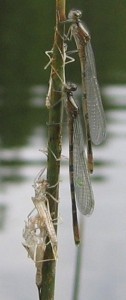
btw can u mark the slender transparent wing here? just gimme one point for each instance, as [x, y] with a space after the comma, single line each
[82, 182]
[94, 102]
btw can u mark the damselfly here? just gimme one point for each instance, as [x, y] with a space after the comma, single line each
[92, 104]
[80, 183]
[72, 112]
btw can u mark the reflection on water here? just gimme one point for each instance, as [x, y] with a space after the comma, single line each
[115, 96]
[2, 215]
[103, 269]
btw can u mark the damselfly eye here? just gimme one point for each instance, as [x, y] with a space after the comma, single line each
[73, 86]
[74, 14]
[78, 13]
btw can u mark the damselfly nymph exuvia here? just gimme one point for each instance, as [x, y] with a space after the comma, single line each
[66, 59]
[91, 101]
[35, 235]
[41, 203]
[39, 229]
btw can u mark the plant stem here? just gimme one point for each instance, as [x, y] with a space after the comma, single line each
[46, 291]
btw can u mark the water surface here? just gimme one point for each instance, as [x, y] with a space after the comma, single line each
[103, 267]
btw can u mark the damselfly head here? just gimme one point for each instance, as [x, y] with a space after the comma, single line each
[74, 15]
[70, 87]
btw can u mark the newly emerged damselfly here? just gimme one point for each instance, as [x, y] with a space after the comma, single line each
[80, 183]
[92, 105]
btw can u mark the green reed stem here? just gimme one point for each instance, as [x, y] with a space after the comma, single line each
[46, 291]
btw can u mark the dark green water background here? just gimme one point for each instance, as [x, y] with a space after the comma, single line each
[26, 32]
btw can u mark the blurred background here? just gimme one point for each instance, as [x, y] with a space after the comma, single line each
[26, 32]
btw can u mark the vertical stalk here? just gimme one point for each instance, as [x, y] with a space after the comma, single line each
[46, 291]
